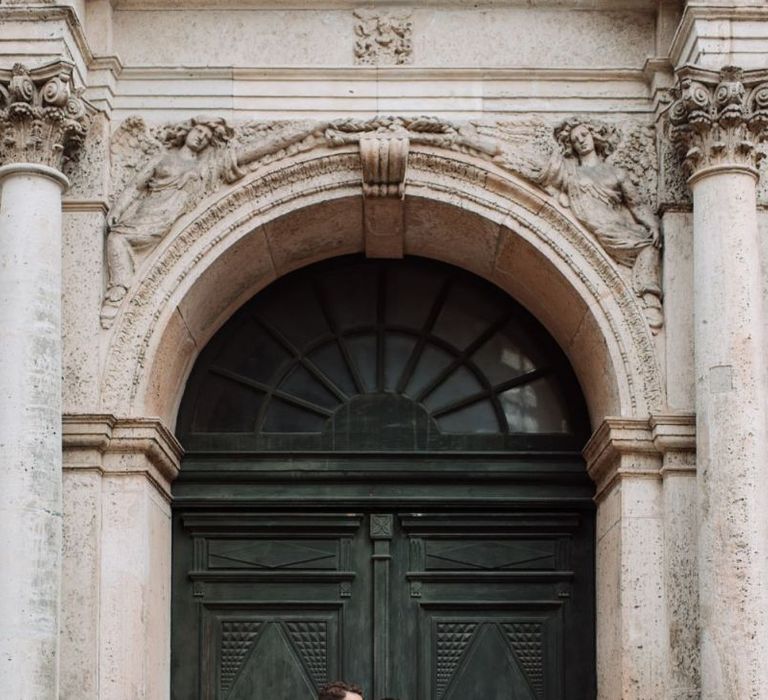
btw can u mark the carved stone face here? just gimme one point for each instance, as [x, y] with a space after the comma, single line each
[198, 138]
[582, 141]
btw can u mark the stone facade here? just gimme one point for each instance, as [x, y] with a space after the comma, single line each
[600, 160]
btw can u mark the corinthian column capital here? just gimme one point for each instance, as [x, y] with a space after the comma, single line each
[719, 117]
[43, 120]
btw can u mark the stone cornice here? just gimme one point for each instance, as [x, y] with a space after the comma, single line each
[114, 445]
[43, 120]
[641, 448]
[43, 12]
[719, 117]
[696, 12]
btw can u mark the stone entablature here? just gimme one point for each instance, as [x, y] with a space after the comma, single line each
[720, 117]
[43, 119]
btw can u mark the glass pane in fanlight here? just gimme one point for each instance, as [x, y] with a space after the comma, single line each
[294, 310]
[535, 408]
[228, 407]
[397, 351]
[352, 295]
[458, 385]
[411, 294]
[304, 385]
[255, 355]
[477, 418]
[362, 350]
[500, 360]
[467, 314]
[331, 362]
[285, 418]
[432, 361]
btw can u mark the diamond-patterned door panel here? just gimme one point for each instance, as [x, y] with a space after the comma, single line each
[490, 654]
[527, 642]
[451, 642]
[311, 640]
[237, 638]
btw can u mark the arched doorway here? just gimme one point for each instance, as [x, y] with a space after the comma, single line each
[383, 482]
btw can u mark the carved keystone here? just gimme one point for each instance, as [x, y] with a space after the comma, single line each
[718, 118]
[384, 158]
[42, 119]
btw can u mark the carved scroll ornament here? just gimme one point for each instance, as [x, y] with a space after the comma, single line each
[719, 118]
[181, 163]
[42, 119]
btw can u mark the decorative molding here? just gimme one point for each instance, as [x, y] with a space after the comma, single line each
[85, 205]
[385, 161]
[697, 12]
[42, 119]
[719, 117]
[384, 38]
[114, 445]
[641, 448]
[485, 188]
[385, 73]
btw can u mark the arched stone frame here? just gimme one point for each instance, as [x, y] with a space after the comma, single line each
[458, 209]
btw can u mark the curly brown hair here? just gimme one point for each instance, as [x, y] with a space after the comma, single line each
[338, 690]
[221, 132]
[605, 136]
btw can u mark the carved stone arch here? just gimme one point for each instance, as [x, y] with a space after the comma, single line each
[458, 208]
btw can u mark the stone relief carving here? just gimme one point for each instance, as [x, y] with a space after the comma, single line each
[191, 160]
[603, 198]
[384, 38]
[719, 118]
[427, 131]
[42, 118]
[162, 173]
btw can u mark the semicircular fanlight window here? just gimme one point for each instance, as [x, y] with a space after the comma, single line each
[380, 354]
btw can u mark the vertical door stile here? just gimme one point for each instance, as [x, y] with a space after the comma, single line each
[381, 535]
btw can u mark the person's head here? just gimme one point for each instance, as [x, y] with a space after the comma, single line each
[198, 133]
[338, 690]
[579, 138]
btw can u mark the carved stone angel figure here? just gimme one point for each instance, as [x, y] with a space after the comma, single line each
[604, 200]
[197, 156]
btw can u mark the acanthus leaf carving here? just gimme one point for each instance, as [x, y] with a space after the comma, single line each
[384, 38]
[43, 119]
[719, 118]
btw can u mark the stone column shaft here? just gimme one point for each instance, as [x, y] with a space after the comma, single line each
[718, 118]
[30, 429]
[41, 119]
[731, 408]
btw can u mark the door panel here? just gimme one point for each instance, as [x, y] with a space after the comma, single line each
[420, 606]
[266, 603]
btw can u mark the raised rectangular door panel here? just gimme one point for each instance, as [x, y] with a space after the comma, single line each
[419, 606]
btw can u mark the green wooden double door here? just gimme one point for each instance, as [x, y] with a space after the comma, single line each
[441, 605]
[383, 484]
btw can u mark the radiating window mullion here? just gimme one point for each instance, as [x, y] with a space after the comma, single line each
[464, 356]
[271, 391]
[381, 303]
[429, 324]
[520, 380]
[301, 358]
[343, 349]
